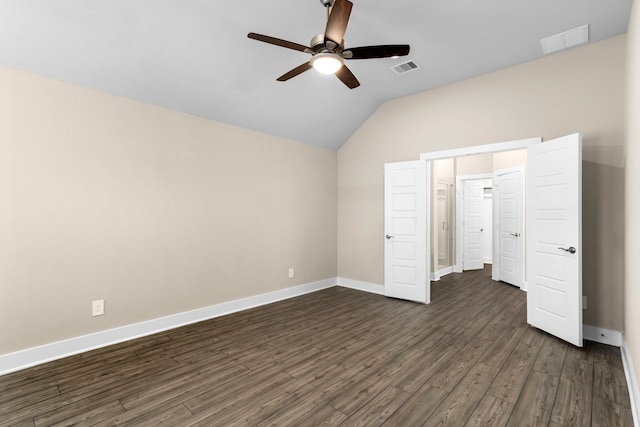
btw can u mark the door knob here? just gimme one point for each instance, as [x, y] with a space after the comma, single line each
[515, 234]
[571, 250]
[388, 236]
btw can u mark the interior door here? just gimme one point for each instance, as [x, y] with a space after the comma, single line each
[473, 256]
[405, 224]
[554, 237]
[509, 192]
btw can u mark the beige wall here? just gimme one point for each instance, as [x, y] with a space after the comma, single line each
[155, 211]
[474, 165]
[580, 90]
[632, 199]
[509, 159]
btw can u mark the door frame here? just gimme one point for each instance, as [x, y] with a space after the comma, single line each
[470, 151]
[457, 267]
[496, 229]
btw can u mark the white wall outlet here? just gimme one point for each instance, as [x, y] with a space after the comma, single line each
[97, 307]
[584, 302]
[291, 272]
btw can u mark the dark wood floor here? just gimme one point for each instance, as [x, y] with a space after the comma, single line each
[337, 357]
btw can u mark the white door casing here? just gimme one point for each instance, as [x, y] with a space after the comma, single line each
[509, 190]
[554, 237]
[406, 232]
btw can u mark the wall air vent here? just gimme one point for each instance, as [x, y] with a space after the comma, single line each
[405, 67]
[565, 40]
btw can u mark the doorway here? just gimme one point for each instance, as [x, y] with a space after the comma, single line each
[554, 302]
[474, 246]
[443, 219]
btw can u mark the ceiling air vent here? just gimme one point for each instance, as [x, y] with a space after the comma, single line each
[405, 67]
[565, 40]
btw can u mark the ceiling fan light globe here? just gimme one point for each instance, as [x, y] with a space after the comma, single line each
[327, 63]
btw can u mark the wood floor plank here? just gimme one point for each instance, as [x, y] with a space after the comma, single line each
[377, 410]
[551, 357]
[184, 386]
[534, 404]
[244, 386]
[608, 413]
[172, 415]
[460, 403]
[337, 356]
[609, 382]
[490, 411]
[572, 404]
[467, 357]
[513, 375]
[86, 417]
[415, 376]
[80, 411]
[325, 417]
[577, 368]
[352, 399]
[415, 410]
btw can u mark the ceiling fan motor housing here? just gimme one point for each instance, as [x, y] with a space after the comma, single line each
[318, 45]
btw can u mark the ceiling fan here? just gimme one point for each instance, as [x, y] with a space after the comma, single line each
[327, 50]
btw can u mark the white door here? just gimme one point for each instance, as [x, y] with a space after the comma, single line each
[509, 194]
[473, 256]
[405, 226]
[554, 237]
[487, 222]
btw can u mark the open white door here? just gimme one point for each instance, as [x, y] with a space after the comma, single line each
[405, 223]
[509, 225]
[554, 237]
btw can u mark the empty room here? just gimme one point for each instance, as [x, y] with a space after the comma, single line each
[319, 212]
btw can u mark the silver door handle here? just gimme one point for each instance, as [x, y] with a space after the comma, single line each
[389, 236]
[515, 234]
[571, 250]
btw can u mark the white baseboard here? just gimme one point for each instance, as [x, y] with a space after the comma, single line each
[46, 353]
[373, 288]
[602, 335]
[632, 384]
[441, 273]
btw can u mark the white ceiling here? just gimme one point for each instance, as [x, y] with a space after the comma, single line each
[194, 55]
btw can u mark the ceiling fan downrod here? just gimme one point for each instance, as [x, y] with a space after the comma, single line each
[328, 4]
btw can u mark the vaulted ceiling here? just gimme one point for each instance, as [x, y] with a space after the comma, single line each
[194, 55]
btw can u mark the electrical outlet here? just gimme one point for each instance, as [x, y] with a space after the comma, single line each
[97, 307]
[584, 302]
[291, 272]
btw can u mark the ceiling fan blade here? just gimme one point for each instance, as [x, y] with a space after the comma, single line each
[298, 70]
[381, 51]
[278, 42]
[338, 20]
[347, 77]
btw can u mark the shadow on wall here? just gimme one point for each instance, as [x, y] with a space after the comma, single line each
[603, 233]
